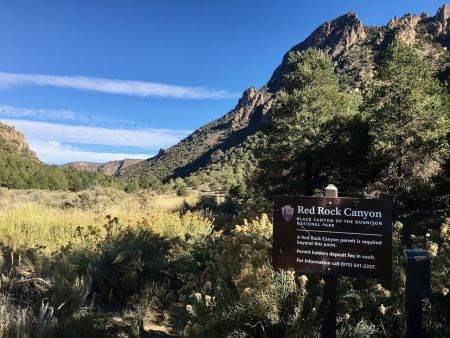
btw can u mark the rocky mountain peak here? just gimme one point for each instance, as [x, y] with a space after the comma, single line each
[336, 35]
[333, 37]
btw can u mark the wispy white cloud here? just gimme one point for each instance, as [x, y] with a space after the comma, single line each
[60, 115]
[112, 86]
[17, 112]
[65, 133]
[53, 152]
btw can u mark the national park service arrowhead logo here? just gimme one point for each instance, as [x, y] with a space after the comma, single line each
[287, 211]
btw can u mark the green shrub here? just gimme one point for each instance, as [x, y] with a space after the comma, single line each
[182, 191]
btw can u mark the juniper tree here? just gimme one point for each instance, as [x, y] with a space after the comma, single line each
[408, 116]
[316, 135]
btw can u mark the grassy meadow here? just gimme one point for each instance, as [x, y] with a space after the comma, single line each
[32, 218]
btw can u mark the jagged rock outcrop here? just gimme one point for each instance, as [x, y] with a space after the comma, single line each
[405, 27]
[333, 37]
[443, 19]
[336, 35]
[245, 106]
[14, 142]
[252, 101]
[441, 26]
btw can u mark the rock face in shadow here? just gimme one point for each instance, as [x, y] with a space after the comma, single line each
[353, 49]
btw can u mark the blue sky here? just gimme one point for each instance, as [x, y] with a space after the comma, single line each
[101, 80]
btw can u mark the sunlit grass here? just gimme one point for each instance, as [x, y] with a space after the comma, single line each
[53, 219]
[30, 224]
[172, 202]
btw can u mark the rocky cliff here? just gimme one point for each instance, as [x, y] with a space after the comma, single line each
[14, 142]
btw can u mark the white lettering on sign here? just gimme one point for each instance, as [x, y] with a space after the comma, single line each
[364, 214]
[323, 211]
[305, 211]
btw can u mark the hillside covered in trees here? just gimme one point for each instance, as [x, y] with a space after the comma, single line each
[21, 169]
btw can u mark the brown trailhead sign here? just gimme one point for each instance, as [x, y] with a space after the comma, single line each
[333, 235]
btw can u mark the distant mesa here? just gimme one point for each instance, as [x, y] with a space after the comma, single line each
[111, 168]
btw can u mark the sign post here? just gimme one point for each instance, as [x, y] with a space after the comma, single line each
[333, 236]
[417, 287]
[329, 291]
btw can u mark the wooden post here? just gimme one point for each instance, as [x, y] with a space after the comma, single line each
[329, 291]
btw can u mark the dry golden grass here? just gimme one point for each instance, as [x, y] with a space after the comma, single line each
[51, 219]
[29, 224]
[171, 202]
